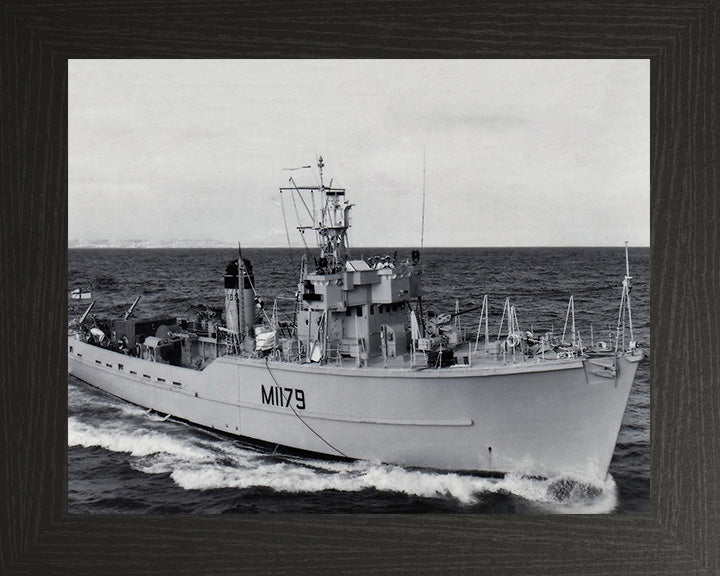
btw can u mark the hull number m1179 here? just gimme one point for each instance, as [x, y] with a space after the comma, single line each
[277, 396]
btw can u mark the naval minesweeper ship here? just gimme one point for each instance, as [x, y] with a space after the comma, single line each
[364, 373]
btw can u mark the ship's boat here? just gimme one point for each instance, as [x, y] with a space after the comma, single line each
[363, 372]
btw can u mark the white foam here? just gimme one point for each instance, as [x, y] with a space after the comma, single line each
[577, 496]
[139, 442]
[83, 395]
[197, 462]
[358, 476]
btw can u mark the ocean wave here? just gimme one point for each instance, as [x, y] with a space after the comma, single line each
[197, 463]
[139, 442]
[552, 495]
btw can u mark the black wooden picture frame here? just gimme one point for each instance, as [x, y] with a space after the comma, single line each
[681, 535]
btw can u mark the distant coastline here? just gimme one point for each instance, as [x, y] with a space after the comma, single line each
[149, 244]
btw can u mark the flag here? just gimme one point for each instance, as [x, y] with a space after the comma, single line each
[414, 328]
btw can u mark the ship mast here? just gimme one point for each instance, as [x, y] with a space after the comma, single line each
[332, 225]
[330, 222]
[627, 284]
[625, 305]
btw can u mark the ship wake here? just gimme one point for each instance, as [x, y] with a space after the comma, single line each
[198, 460]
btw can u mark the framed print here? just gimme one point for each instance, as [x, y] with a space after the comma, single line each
[678, 535]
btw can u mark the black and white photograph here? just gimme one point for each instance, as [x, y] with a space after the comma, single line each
[359, 286]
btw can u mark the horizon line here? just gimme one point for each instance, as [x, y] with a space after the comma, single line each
[403, 247]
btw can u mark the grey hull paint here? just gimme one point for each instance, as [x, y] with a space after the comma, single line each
[532, 418]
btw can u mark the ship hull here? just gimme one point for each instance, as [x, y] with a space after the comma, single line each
[527, 418]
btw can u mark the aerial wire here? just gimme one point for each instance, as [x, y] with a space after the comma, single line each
[282, 206]
[300, 418]
[422, 231]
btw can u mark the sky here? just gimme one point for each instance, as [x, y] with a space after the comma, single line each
[509, 152]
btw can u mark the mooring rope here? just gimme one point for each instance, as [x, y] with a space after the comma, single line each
[300, 418]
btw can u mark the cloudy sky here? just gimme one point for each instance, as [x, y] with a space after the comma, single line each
[517, 152]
